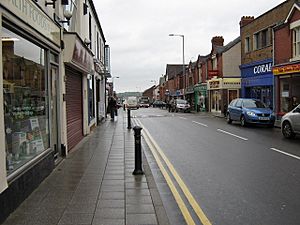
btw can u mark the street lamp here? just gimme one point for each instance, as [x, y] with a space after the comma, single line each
[183, 66]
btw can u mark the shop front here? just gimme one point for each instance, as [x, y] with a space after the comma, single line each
[100, 91]
[287, 80]
[258, 81]
[221, 92]
[29, 64]
[201, 97]
[80, 97]
[190, 97]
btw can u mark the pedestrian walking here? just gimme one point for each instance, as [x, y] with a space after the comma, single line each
[111, 107]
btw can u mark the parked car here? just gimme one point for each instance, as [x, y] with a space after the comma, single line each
[180, 105]
[290, 123]
[131, 103]
[250, 111]
[159, 104]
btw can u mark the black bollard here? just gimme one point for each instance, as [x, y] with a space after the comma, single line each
[138, 151]
[128, 119]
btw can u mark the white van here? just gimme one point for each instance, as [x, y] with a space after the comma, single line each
[131, 103]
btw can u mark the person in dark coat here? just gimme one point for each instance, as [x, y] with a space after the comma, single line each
[111, 107]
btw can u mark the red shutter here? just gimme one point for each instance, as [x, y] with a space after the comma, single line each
[74, 107]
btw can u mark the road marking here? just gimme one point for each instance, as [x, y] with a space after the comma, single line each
[285, 153]
[182, 117]
[199, 212]
[234, 135]
[183, 208]
[202, 124]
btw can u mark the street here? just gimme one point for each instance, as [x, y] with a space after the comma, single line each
[237, 175]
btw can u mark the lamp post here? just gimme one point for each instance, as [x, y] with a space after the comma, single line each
[183, 66]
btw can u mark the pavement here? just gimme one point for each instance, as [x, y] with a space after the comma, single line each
[94, 185]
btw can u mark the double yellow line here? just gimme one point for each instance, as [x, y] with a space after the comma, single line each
[158, 153]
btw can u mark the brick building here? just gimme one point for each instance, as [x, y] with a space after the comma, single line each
[257, 52]
[286, 68]
[174, 79]
[223, 82]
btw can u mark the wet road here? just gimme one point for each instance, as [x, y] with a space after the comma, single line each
[237, 175]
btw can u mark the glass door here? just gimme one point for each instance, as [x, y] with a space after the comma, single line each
[53, 110]
[216, 101]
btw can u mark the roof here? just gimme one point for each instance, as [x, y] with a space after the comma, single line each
[202, 58]
[228, 46]
[295, 6]
[173, 70]
[278, 6]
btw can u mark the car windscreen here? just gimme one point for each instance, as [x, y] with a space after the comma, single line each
[249, 103]
[181, 101]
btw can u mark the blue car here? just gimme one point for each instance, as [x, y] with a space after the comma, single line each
[250, 111]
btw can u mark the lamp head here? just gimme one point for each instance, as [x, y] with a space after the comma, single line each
[67, 14]
[87, 41]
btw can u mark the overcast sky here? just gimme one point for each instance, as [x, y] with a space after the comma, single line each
[138, 33]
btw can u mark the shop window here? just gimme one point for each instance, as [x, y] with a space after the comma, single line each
[25, 100]
[284, 95]
[289, 90]
[296, 42]
[91, 109]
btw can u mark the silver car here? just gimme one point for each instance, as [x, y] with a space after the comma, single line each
[290, 123]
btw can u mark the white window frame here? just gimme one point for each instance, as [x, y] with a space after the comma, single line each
[296, 42]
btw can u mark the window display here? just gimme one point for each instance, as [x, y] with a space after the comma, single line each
[25, 100]
[91, 109]
[289, 93]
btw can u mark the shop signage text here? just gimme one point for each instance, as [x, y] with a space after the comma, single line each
[35, 17]
[214, 84]
[295, 68]
[265, 68]
[213, 73]
[82, 57]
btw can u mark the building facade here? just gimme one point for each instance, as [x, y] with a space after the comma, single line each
[286, 68]
[53, 78]
[256, 53]
[223, 82]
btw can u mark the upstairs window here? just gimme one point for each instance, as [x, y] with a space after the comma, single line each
[256, 41]
[264, 38]
[214, 62]
[261, 39]
[296, 42]
[247, 45]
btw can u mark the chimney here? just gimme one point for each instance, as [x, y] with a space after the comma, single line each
[217, 41]
[246, 20]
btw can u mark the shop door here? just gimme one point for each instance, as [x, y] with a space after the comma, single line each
[232, 94]
[74, 107]
[216, 101]
[53, 111]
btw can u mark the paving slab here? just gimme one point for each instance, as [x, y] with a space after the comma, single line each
[94, 185]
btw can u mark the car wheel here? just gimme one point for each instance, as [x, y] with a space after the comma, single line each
[287, 130]
[229, 120]
[243, 121]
